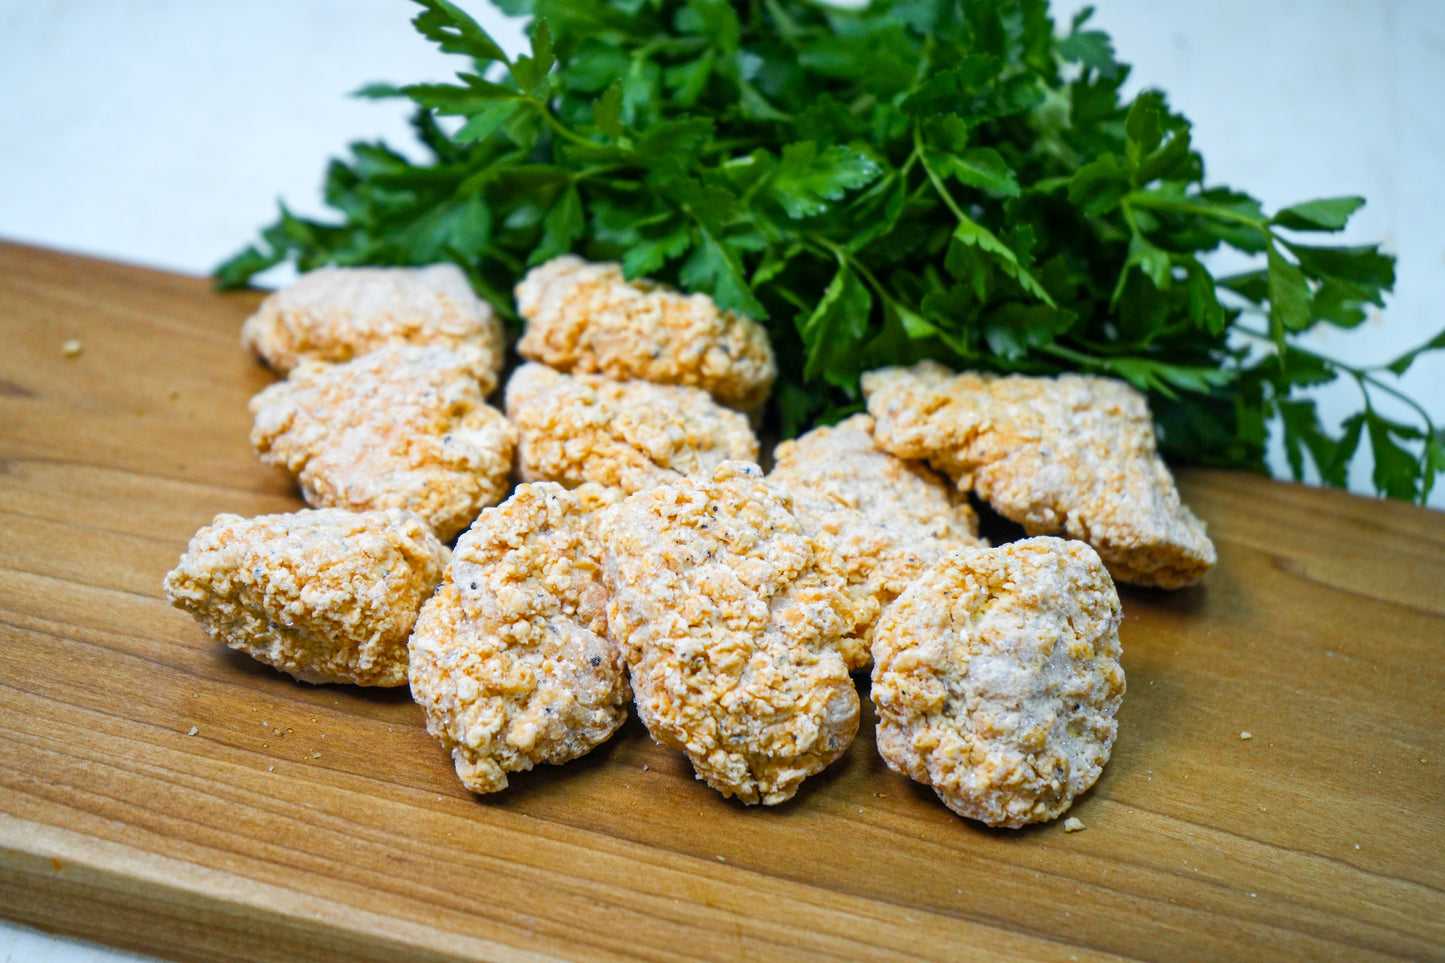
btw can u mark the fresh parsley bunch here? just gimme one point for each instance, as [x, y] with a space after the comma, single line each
[919, 179]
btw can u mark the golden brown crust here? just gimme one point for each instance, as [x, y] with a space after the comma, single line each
[730, 628]
[325, 596]
[623, 434]
[585, 318]
[401, 427]
[1073, 455]
[511, 660]
[997, 679]
[885, 519]
[336, 314]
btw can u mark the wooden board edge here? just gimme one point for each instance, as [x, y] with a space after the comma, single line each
[64, 883]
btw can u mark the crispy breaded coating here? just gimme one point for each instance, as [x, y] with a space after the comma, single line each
[584, 318]
[730, 627]
[1073, 455]
[401, 427]
[996, 676]
[336, 314]
[511, 660]
[886, 519]
[624, 434]
[325, 596]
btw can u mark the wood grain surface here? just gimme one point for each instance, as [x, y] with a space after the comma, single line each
[303, 822]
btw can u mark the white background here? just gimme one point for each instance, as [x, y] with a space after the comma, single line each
[162, 132]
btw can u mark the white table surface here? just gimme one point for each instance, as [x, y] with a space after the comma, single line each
[163, 132]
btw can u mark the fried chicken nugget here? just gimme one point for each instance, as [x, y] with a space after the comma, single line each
[584, 318]
[336, 314]
[624, 434]
[885, 518]
[510, 659]
[325, 596]
[401, 427]
[997, 679]
[730, 627]
[1073, 455]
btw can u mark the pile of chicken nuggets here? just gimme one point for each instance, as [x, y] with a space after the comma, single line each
[617, 545]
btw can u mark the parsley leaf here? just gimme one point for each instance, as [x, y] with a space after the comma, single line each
[956, 180]
[805, 180]
[1330, 214]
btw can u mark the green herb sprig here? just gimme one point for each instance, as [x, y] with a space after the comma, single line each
[919, 179]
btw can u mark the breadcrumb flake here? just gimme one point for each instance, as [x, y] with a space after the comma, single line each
[1073, 455]
[335, 314]
[730, 628]
[585, 318]
[401, 427]
[997, 679]
[574, 429]
[510, 660]
[325, 596]
[885, 519]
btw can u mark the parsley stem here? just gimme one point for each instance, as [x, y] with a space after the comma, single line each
[1158, 203]
[589, 173]
[1078, 357]
[870, 280]
[513, 263]
[825, 246]
[558, 127]
[937, 182]
[1016, 270]
[1362, 376]
[728, 146]
[1133, 224]
[914, 156]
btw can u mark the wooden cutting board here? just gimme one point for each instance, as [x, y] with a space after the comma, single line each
[160, 792]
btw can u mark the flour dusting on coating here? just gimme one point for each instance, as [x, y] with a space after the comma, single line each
[1073, 455]
[623, 434]
[729, 620]
[586, 318]
[401, 427]
[885, 519]
[339, 313]
[325, 596]
[510, 660]
[997, 680]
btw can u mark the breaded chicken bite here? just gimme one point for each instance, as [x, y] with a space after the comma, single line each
[730, 626]
[511, 660]
[401, 427]
[885, 519]
[336, 314]
[325, 596]
[996, 676]
[1073, 455]
[584, 318]
[624, 434]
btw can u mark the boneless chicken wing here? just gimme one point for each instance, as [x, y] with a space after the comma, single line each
[729, 618]
[1073, 455]
[510, 659]
[885, 519]
[585, 318]
[325, 596]
[631, 435]
[997, 680]
[339, 313]
[401, 427]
